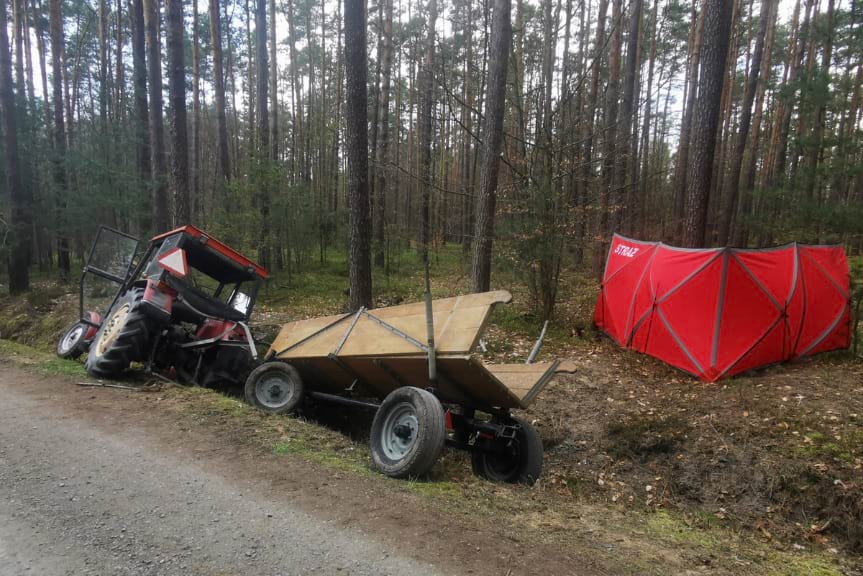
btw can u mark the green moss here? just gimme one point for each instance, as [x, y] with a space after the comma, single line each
[818, 446]
[327, 457]
[435, 490]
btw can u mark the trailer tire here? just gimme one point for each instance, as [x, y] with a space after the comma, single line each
[408, 433]
[275, 388]
[72, 344]
[124, 337]
[520, 462]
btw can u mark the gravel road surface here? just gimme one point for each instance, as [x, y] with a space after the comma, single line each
[76, 498]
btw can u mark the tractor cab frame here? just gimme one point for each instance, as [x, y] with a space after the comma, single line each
[182, 307]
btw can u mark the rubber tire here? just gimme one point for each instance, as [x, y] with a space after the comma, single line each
[131, 344]
[429, 441]
[78, 348]
[289, 371]
[528, 459]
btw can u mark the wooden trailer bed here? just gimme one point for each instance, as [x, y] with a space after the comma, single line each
[384, 349]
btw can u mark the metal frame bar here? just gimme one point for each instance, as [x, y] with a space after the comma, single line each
[348, 331]
[313, 334]
[540, 384]
[396, 331]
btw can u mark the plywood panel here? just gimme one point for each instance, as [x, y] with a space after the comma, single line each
[459, 323]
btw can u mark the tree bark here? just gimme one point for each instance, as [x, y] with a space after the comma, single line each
[588, 172]
[59, 157]
[161, 215]
[195, 173]
[732, 188]
[179, 134]
[717, 28]
[139, 77]
[274, 84]
[20, 206]
[263, 129]
[492, 134]
[425, 123]
[356, 136]
[627, 200]
[610, 183]
[682, 162]
[382, 147]
[223, 156]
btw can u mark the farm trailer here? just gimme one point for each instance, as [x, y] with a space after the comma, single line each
[413, 366]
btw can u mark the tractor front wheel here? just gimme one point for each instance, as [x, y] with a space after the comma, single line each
[72, 344]
[124, 337]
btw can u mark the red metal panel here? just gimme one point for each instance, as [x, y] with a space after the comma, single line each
[218, 246]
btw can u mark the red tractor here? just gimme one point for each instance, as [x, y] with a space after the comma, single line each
[182, 308]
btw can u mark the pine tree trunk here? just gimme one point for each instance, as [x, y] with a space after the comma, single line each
[59, 156]
[732, 188]
[223, 157]
[161, 216]
[627, 201]
[142, 119]
[492, 135]
[717, 29]
[179, 134]
[610, 181]
[425, 122]
[21, 210]
[382, 148]
[356, 142]
[640, 223]
[274, 84]
[263, 151]
[195, 174]
[588, 171]
[682, 162]
[119, 71]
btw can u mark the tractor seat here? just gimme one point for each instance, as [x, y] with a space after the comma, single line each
[193, 303]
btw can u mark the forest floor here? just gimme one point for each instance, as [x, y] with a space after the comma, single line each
[647, 470]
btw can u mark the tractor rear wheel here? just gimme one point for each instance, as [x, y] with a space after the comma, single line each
[124, 337]
[72, 343]
[519, 460]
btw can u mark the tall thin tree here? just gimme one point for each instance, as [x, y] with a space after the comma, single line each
[21, 211]
[717, 30]
[223, 157]
[179, 131]
[492, 142]
[161, 215]
[59, 153]
[356, 138]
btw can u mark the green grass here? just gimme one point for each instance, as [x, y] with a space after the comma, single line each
[43, 362]
[726, 545]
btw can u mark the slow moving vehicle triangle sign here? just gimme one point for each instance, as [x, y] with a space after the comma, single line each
[174, 261]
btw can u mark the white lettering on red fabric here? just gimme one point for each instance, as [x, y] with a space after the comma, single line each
[628, 251]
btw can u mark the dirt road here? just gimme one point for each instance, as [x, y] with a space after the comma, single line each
[94, 481]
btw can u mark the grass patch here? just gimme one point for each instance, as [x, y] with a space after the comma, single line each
[725, 546]
[42, 362]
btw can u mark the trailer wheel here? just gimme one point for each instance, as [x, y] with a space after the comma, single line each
[518, 462]
[72, 343]
[124, 337]
[274, 387]
[408, 433]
